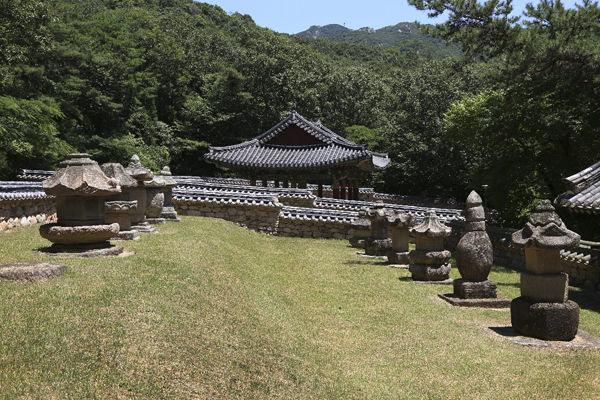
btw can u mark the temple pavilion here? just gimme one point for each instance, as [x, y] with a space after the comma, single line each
[583, 195]
[296, 152]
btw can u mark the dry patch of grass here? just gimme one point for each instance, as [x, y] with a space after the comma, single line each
[206, 309]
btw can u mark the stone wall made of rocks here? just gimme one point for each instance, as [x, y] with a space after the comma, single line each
[15, 213]
[257, 218]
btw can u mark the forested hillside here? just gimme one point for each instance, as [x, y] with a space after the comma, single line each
[167, 78]
[404, 37]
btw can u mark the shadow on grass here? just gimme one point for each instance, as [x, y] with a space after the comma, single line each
[586, 299]
[506, 331]
[406, 279]
[367, 262]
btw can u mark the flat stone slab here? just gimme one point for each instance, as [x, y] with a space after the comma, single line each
[360, 253]
[498, 302]
[31, 271]
[399, 266]
[83, 251]
[583, 340]
[444, 282]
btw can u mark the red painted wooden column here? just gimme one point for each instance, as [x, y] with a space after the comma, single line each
[343, 192]
[336, 191]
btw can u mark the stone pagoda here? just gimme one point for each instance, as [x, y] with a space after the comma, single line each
[155, 192]
[360, 230]
[81, 188]
[543, 310]
[378, 244]
[168, 211]
[474, 257]
[398, 224]
[429, 261]
[138, 193]
[119, 208]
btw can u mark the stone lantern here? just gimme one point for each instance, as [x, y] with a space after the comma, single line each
[398, 223]
[168, 211]
[378, 244]
[360, 230]
[429, 261]
[155, 192]
[138, 193]
[119, 208]
[543, 310]
[474, 257]
[81, 188]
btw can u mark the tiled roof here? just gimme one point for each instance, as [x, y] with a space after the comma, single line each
[201, 196]
[34, 174]
[183, 185]
[444, 214]
[18, 190]
[332, 149]
[317, 214]
[584, 193]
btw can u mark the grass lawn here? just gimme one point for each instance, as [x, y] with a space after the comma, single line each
[206, 309]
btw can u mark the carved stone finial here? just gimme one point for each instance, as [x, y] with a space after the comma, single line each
[431, 226]
[137, 171]
[545, 230]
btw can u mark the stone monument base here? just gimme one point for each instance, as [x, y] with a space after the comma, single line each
[31, 271]
[427, 272]
[143, 227]
[475, 290]
[397, 257]
[377, 247]
[546, 321]
[498, 302]
[127, 235]
[156, 221]
[170, 214]
[475, 294]
[357, 242]
[84, 250]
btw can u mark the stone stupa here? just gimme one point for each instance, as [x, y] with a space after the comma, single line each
[474, 257]
[81, 189]
[429, 261]
[398, 224]
[544, 310]
[137, 171]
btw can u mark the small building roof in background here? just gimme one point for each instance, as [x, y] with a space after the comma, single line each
[583, 195]
[296, 142]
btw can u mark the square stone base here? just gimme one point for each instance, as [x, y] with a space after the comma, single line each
[128, 235]
[465, 289]
[143, 228]
[430, 272]
[550, 288]
[546, 321]
[498, 302]
[397, 257]
[156, 221]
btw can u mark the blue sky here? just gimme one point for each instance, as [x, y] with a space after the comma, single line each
[293, 16]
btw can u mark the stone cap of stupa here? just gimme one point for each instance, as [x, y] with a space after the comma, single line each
[400, 219]
[117, 172]
[79, 175]
[545, 230]
[137, 171]
[377, 212]
[431, 226]
[167, 177]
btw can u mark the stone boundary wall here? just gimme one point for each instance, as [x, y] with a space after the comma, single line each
[315, 223]
[582, 264]
[258, 213]
[24, 204]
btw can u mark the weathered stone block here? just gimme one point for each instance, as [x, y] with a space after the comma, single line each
[475, 290]
[542, 261]
[425, 272]
[552, 288]
[546, 321]
[398, 257]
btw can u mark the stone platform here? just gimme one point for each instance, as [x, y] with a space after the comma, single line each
[444, 282]
[90, 250]
[31, 271]
[498, 302]
[582, 340]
